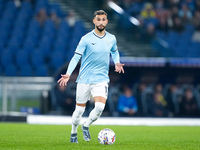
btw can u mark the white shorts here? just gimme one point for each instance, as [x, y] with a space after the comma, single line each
[85, 92]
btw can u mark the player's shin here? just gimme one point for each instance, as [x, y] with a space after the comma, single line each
[95, 113]
[76, 118]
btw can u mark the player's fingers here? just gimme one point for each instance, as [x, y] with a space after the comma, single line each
[59, 80]
[61, 83]
[122, 70]
[119, 71]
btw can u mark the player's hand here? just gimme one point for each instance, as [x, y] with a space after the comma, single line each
[63, 80]
[119, 67]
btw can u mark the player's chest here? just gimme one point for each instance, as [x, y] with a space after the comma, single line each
[101, 45]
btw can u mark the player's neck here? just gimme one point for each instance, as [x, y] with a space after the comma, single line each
[102, 33]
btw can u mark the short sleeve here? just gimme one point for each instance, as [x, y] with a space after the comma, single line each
[81, 47]
[114, 47]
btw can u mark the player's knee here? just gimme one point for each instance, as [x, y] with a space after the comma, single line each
[99, 107]
[76, 117]
[79, 111]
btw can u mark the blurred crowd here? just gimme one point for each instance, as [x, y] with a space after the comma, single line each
[42, 15]
[168, 101]
[164, 15]
[139, 100]
[156, 100]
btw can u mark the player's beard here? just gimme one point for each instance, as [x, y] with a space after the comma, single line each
[100, 29]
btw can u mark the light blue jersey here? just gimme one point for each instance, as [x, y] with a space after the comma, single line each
[95, 57]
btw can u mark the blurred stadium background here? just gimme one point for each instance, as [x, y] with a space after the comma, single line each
[159, 42]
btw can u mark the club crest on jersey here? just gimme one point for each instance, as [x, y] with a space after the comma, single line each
[108, 42]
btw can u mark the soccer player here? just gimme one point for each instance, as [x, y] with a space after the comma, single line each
[94, 50]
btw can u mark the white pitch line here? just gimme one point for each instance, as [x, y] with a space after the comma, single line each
[66, 120]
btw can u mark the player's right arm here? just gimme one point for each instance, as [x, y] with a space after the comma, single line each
[72, 65]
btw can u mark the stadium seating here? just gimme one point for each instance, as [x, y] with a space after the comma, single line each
[6, 58]
[29, 46]
[26, 70]
[55, 7]
[11, 70]
[60, 45]
[41, 70]
[180, 43]
[37, 59]
[57, 59]
[21, 58]
[21, 31]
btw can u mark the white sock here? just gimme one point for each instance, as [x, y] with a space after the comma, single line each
[95, 113]
[76, 118]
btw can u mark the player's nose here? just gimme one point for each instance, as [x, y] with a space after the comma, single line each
[101, 22]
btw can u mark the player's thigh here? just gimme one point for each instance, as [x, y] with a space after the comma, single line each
[100, 99]
[83, 93]
[99, 90]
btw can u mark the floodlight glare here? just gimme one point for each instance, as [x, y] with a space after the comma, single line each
[134, 21]
[115, 7]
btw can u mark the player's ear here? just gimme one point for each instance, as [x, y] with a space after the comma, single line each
[93, 21]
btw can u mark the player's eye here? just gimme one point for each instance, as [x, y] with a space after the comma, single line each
[99, 19]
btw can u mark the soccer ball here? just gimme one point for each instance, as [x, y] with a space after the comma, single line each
[106, 136]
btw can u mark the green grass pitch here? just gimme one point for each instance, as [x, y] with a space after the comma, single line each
[18, 136]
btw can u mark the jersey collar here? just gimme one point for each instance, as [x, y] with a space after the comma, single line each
[98, 35]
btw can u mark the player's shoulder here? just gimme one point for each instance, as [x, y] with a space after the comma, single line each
[87, 36]
[110, 35]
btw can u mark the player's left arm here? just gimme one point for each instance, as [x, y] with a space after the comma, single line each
[118, 66]
[115, 56]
